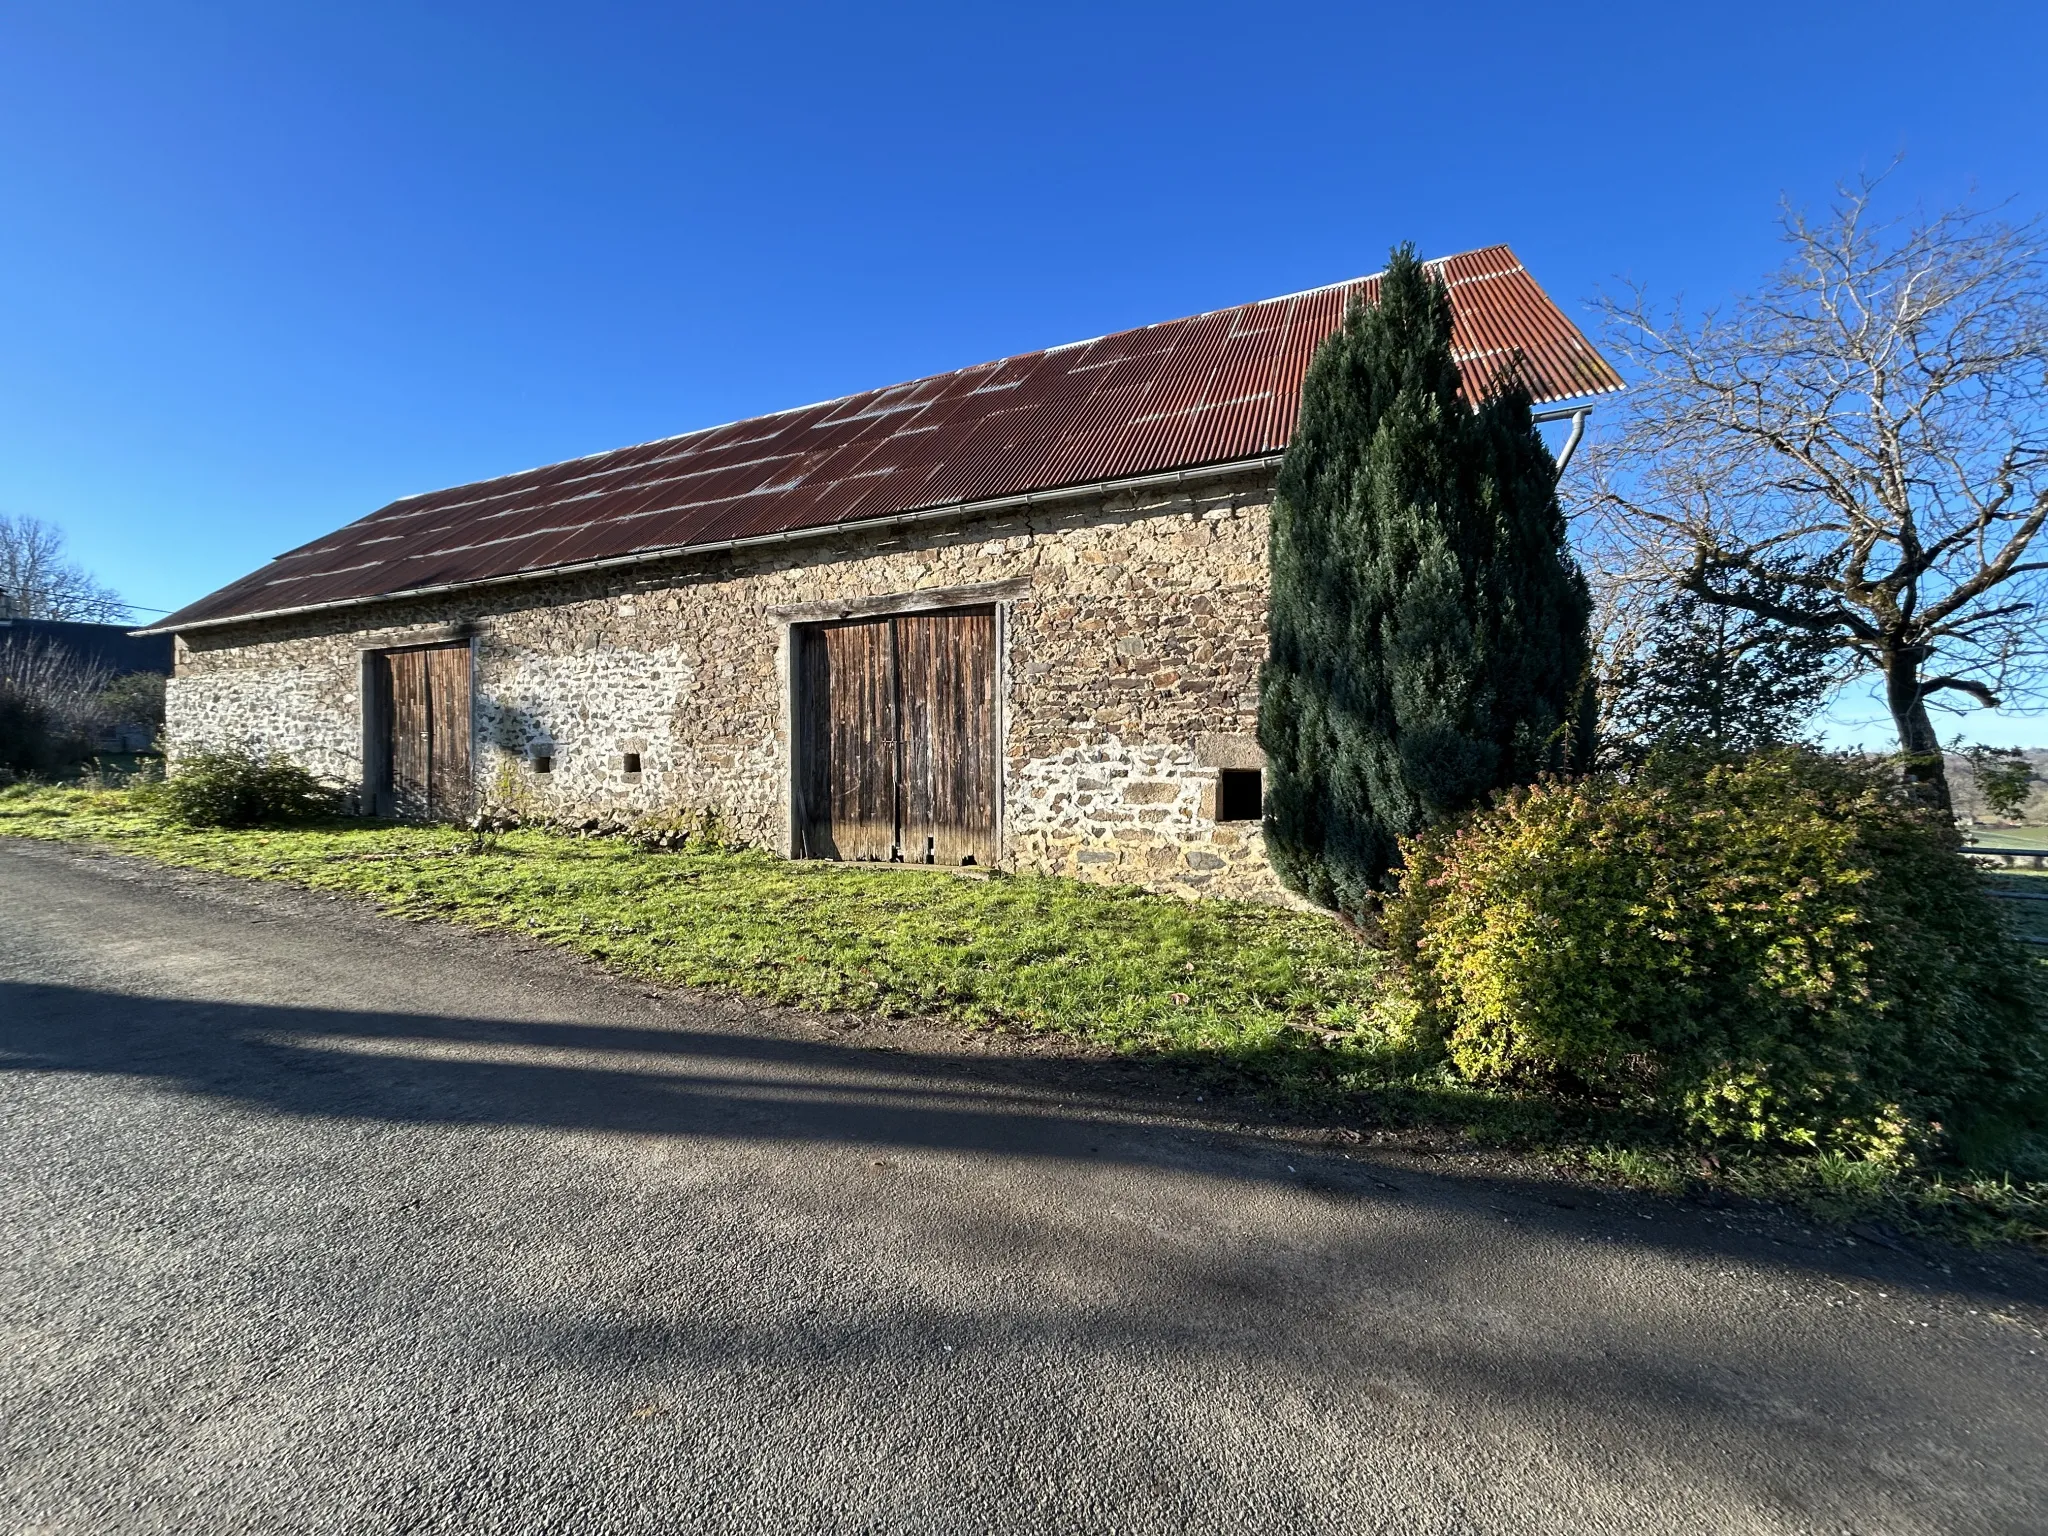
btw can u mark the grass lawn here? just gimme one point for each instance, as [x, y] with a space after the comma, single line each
[1288, 1004]
[1118, 967]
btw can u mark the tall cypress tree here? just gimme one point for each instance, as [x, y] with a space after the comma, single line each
[1427, 639]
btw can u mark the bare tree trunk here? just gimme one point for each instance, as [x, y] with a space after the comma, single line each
[1925, 768]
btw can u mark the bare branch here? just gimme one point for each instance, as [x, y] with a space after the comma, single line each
[1973, 688]
[1856, 450]
[37, 582]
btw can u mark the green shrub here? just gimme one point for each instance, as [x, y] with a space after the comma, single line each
[241, 788]
[1778, 950]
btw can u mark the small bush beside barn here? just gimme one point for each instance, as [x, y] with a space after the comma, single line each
[1779, 950]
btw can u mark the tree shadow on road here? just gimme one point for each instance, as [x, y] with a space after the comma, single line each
[689, 1069]
[1344, 1302]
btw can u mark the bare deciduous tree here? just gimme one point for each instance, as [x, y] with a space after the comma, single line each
[1858, 450]
[38, 582]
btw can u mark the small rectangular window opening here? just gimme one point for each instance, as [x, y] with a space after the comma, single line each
[632, 762]
[1240, 795]
[543, 762]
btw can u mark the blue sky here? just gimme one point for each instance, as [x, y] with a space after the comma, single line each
[265, 267]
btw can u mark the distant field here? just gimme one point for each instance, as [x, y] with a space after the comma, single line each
[2008, 837]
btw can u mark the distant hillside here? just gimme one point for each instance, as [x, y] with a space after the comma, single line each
[1962, 783]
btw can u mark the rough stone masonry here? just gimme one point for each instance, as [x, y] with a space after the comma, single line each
[1132, 626]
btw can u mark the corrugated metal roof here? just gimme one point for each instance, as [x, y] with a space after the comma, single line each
[1211, 389]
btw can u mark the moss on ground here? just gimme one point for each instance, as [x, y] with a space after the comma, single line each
[1290, 1005]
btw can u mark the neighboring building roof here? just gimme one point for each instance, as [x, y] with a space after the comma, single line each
[112, 646]
[1213, 389]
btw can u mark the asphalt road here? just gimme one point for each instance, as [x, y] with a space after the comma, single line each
[312, 1220]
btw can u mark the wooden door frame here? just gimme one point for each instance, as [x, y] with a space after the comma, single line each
[790, 620]
[376, 734]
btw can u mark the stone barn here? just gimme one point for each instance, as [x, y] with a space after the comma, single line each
[1011, 616]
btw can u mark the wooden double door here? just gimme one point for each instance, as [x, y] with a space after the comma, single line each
[896, 738]
[419, 698]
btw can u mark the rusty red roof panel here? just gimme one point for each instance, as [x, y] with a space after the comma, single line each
[1207, 390]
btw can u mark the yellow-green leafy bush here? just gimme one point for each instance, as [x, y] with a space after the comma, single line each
[1776, 950]
[239, 788]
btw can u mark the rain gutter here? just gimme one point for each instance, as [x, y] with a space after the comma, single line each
[954, 509]
[1577, 416]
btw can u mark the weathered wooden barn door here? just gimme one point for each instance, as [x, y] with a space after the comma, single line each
[895, 727]
[449, 790]
[408, 749]
[422, 704]
[946, 691]
[846, 758]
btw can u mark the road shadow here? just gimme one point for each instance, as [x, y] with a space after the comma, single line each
[672, 1074]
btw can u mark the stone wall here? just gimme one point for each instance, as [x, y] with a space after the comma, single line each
[1130, 678]
[300, 698]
